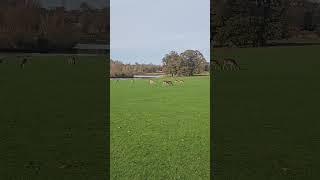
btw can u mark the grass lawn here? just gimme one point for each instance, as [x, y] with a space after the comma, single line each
[53, 119]
[160, 132]
[266, 117]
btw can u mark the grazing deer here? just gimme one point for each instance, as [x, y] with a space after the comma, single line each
[216, 64]
[71, 60]
[24, 62]
[151, 82]
[231, 63]
[167, 83]
[2, 60]
[178, 81]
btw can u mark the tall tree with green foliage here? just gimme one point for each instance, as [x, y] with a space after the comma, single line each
[172, 63]
[188, 63]
[193, 62]
[249, 22]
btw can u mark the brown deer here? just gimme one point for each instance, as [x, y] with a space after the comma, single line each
[3, 60]
[151, 82]
[167, 83]
[179, 81]
[231, 63]
[25, 60]
[71, 60]
[216, 64]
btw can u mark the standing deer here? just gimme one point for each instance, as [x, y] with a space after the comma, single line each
[151, 82]
[2, 60]
[179, 81]
[71, 60]
[25, 60]
[231, 63]
[167, 83]
[216, 64]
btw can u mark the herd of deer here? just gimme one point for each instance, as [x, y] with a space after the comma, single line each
[164, 82]
[225, 64]
[170, 83]
[167, 82]
[72, 60]
[26, 59]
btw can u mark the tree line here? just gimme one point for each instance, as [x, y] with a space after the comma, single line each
[243, 23]
[188, 63]
[120, 69]
[27, 25]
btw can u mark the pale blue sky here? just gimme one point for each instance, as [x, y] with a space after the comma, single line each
[145, 30]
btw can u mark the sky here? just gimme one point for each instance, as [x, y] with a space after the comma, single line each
[144, 31]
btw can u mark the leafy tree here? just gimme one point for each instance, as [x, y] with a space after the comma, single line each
[249, 22]
[171, 63]
[193, 62]
[188, 63]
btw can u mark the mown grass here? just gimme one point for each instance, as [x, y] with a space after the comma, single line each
[160, 132]
[53, 119]
[265, 117]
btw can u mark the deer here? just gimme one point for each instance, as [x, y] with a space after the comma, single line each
[151, 82]
[216, 64]
[228, 62]
[3, 60]
[179, 81]
[71, 60]
[25, 60]
[167, 83]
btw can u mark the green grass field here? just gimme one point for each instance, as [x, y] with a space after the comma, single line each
[53, 119]
[160, 132]
[266, 117]
[265, 120]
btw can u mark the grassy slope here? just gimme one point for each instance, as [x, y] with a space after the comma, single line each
[160, 132]
[52, 115]
[266, 118]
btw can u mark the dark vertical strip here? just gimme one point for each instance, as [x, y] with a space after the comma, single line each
[108, 96]
[263, 117]
[54, 104]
